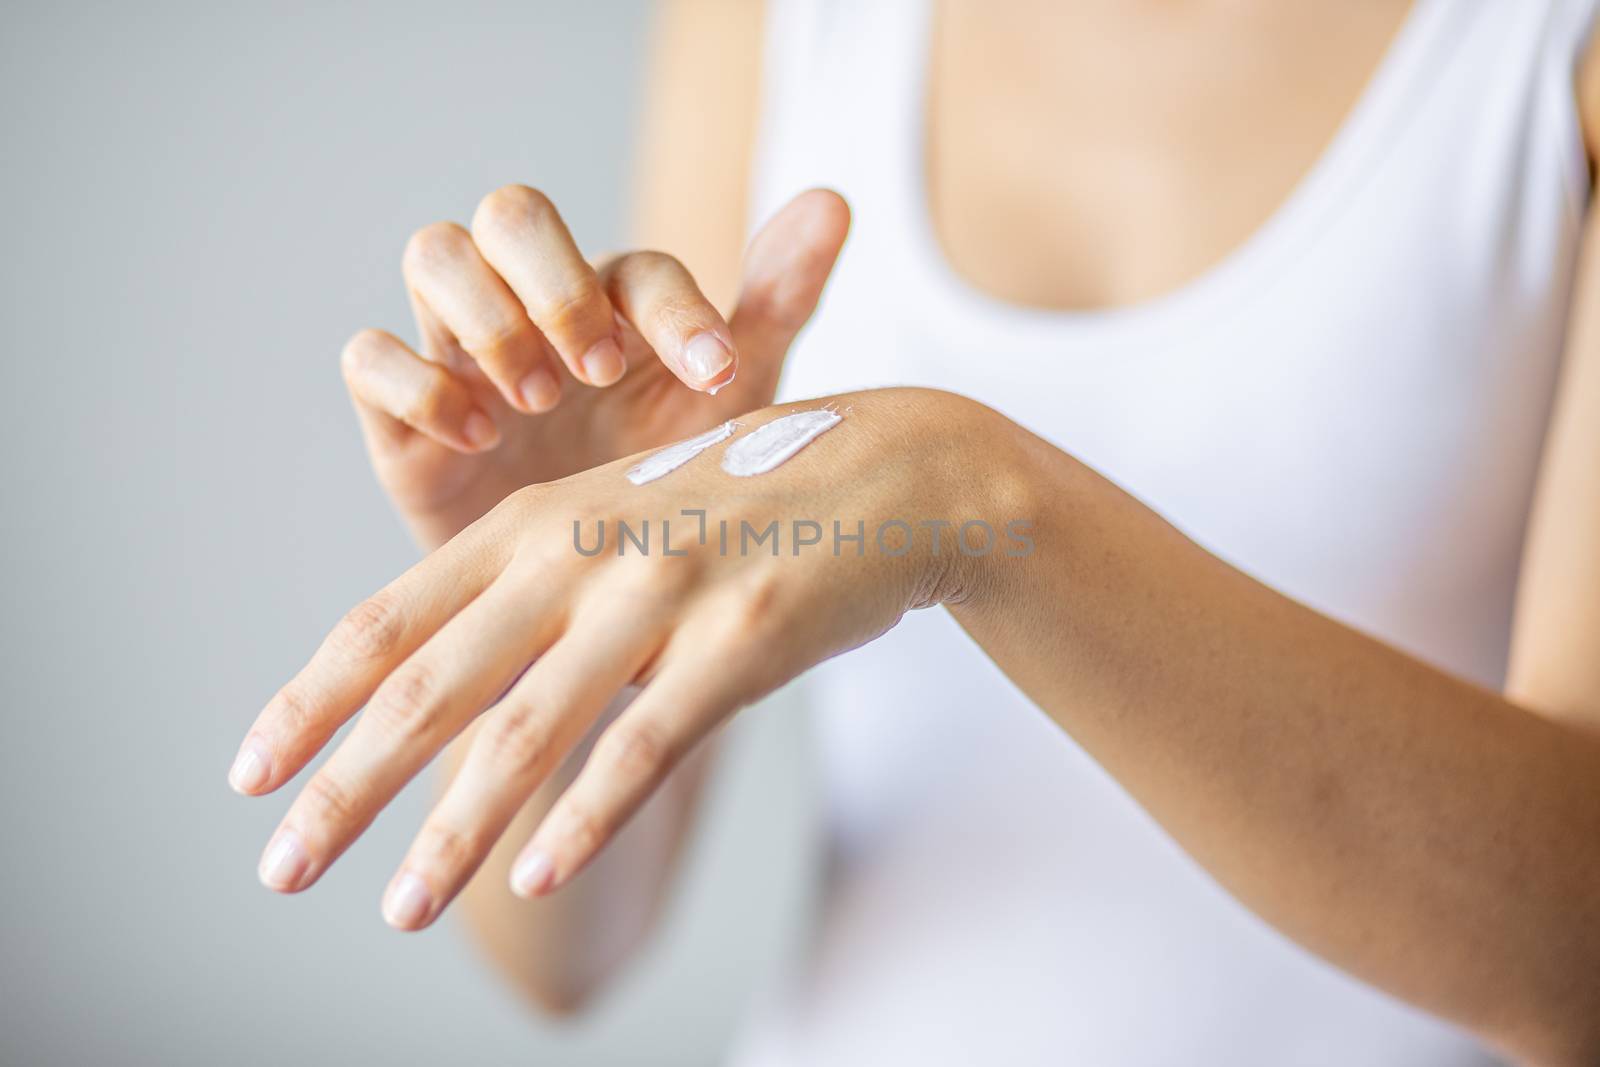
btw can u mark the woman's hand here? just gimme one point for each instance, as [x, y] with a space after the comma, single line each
[535, 365]
[707, 620]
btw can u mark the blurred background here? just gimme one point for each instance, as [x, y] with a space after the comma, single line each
[203, 201]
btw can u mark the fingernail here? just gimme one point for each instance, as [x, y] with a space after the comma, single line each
[705, 357]
[407, 902]
[284, 863]
[251, 767]
[480, 430]
[539, 389]
[532, 874]
[603, 364]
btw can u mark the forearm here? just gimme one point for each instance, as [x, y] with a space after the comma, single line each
[1425, 834]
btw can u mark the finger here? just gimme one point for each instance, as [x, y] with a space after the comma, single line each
[690, 695]
[367, 644]
[393, 387]
[522, 237]
[658, 296]
[786, 267]
[413, 713]
[449, 278]
[439, 345]
[520, 742]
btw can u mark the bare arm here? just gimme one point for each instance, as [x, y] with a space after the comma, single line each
[1432, 838]
[696, 142]
[1435, 839]
[1553, 661]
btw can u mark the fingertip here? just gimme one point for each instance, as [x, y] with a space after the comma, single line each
[539, 390]
[806, 233]
[533, 874]
[726, 380]
[408, 903]
[284, 864]
[251, 769]
[480, 431]
[708, 361]
[603, 364]
[831, 208]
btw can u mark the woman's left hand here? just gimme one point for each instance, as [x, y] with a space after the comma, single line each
[707, 619]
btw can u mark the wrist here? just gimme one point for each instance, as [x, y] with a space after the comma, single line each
[979, 497]
[1001, 492]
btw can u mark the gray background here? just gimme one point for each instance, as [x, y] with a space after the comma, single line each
[202, 202]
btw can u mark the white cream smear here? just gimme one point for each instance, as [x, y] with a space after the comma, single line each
[764, 449]
[672, 457]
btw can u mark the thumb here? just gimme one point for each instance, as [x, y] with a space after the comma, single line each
[786, 266]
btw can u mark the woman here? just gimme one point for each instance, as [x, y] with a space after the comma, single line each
[1300, 278]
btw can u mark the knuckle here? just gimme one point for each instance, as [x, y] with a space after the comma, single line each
[371, 630]
[522, 504]
[331, 801]
[497, 334]
[405, 704]
[647, 264]
[681, 316]
[517, 742]
[524, 513]
[426, 406]
[452, 847]
[568, 304]
[633, 582]
[639, 751]
[513, 209]
[756, 603]
[295, 710]
[750, 617]
[528, 495]
[539, 556]
[654, 577]
[433, 246]
[582, 829]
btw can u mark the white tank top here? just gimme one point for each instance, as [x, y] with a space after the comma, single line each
[1350, 407]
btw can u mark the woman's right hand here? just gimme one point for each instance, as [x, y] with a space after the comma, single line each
[534, 365]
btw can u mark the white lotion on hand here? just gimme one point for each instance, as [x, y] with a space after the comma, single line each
[672, 457]
[763, 450]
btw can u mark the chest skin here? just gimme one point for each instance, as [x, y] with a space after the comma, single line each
[1085, 154]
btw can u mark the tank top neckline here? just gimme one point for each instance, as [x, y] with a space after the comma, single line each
[938, 294]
